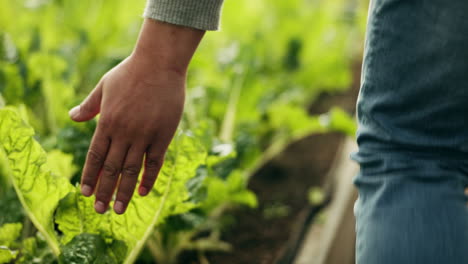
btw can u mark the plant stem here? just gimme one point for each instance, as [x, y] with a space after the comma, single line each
[229, 120]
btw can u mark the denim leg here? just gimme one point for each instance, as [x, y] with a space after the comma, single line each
[413, 134]
[411, 211]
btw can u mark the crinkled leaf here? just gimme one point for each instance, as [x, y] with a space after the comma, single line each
[7, 255]
[74, 139]
[35, 250]
[87, 249]
[38, 190]
[9, 233]
[61, 164]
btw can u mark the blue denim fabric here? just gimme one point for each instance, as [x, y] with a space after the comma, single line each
[413, 134]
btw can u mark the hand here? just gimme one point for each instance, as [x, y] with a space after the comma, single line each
[141, 102]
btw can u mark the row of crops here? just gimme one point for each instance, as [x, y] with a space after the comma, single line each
[248, 89]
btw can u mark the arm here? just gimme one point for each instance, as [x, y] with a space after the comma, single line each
[141, 102]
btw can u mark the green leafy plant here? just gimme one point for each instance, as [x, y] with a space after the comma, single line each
[49, 198]
[9, 233]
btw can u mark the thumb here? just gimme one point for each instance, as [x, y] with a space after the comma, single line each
[89, 108]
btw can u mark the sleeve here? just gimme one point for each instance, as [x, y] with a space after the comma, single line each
[200, 14]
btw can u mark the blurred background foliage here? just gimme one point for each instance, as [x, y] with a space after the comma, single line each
[249, 86]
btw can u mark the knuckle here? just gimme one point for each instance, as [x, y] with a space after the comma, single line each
[110, 170]
[95, 158]
[124, 196]
[131, 171]
[150, 132]
[104, 195]
[112, 124]
[105, 123]
[149, 182]
[153, 162]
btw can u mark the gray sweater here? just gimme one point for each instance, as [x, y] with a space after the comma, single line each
[200, 14]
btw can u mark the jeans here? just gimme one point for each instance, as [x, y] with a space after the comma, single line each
[413, 134]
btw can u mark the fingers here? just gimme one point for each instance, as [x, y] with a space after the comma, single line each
[110, 173]
[153, 162]
[94, 161]
[90, 107]
[129, 178]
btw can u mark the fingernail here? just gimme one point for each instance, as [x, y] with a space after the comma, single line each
[74, 111]
[119, 207]
[143, 191]
[100, 207]
[86, 190]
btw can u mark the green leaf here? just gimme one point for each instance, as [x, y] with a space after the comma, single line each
[9, 233]
[11, 207]
[61, 164]
[35, 250]
[342, 121]
[2, 101]
[292, 121]
[232, 190]
[195, 186]
[12, 86]
[38, 190]
[88, 249]
[6, 255]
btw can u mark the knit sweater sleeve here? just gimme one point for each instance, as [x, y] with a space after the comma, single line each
[200, 14]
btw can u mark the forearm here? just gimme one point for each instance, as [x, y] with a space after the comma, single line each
[167, 46]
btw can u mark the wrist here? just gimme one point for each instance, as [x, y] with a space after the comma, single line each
[166, 46]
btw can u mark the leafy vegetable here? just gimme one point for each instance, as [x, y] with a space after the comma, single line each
[76, 214]
[6, 256]
[35, 250]
[42, 192]
[38, 190]
[342, 121]
[9, 233]
[90, 249]
[61, 164]
[11, 208]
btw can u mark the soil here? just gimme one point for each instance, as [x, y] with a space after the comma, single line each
[271, 232]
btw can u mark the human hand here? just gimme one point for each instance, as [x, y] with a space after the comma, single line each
[141, 102]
